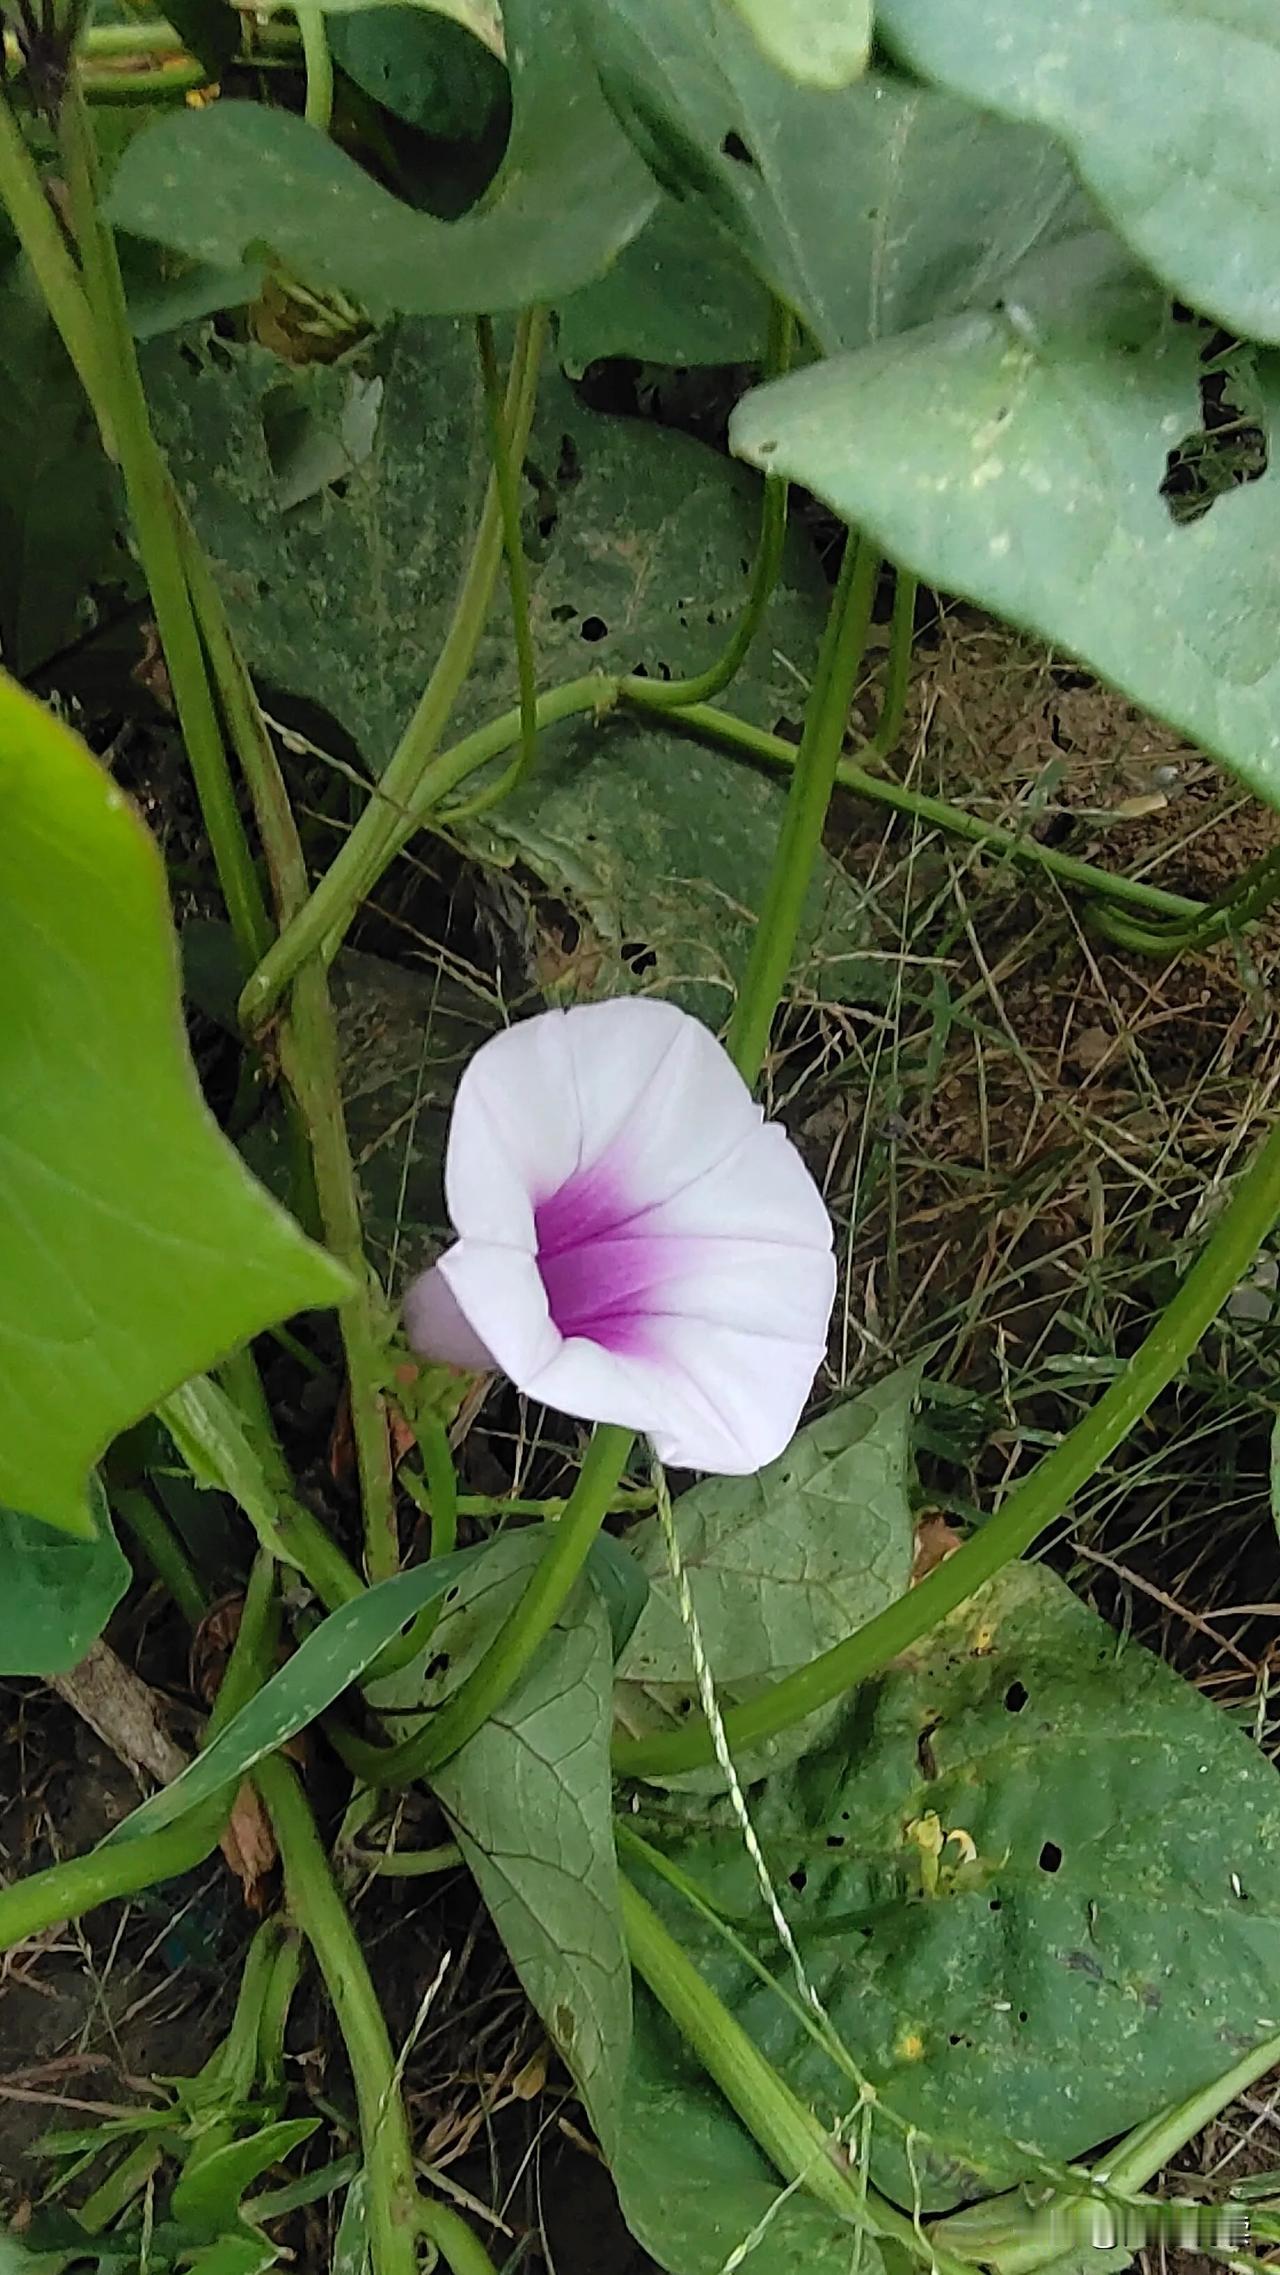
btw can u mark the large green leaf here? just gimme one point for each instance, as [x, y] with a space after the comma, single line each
[1098, 1936]
[1168, 107]
[59, 518]
[868, 209]
[780, 1566]
[1018, 458]
[679, 293]
[213, 183]
[58, 1592]
[529, 1798]
[693, 2185]
[822, 43]
[134, 1247]
[421, 66]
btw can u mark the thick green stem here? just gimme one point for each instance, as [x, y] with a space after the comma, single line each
[1030, 1508]
[785, 2127]
[162, 1549]
[330, 909]
[309, 1055]
[773, 943]
[54, 270]
[506, 471]
[668, 694]
[318, 108]
[548, 1591]
[147, 486]
[396, 2212]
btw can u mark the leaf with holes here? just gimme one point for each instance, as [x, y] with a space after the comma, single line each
[1035, 1879]
[866, 210]
[1167, 106]
[59, 1592]
[693, 2185]
[1056, 461]
[780, 1566]
[641, 544]
[136, 1247]
[216, 183]
[529, 1799]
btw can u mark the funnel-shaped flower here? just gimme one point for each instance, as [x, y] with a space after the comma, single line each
[636, 1244]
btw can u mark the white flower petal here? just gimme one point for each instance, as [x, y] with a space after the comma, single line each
[761, 1191]
[658, 1096]
[439, 1329]
[735, 1399]
[515, 1134]
[500, 1294]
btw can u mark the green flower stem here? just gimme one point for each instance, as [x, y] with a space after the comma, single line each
[784, 2126]
[163, 83]
[318, 108]
[309, 1056]
[665, 695]
[147, 487]
[328, 912]
[1033, 1505]
[273, 2018]
[550, 1585]
[124, 1868]
[1240, 904]
[826, 712]
[738, 735]
[397, 2214]
[897, 680]
[506, 470]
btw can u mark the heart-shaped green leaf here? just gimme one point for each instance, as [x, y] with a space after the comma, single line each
[135, 1249]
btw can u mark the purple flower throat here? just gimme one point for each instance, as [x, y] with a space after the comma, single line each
[601, 1271]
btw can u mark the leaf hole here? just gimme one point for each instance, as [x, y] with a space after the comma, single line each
[437, 1666]
[995, 1905]
[1229, 448]
[924, 1751]
[835, 1840]
[1050, 1857]
[638, 956]
[563, 612]
[1023, 2016]
[1015, 1698]
[568, 464]
[734, 147]
[799, 1880]
[593, 628]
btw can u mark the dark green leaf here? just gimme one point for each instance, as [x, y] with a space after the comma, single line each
[58, 1592]
[1034, 1879]
[136, 1247]
[678, 294]
[529, 1800]
[693, 2185]
[780, 1566]
[218, 182]
[1168, 107]
[621, 1585]
[1019, 457]
[866, 210]
[59, 520]
[421, 66]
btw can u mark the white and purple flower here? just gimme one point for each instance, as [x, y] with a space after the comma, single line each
[636, 1244]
